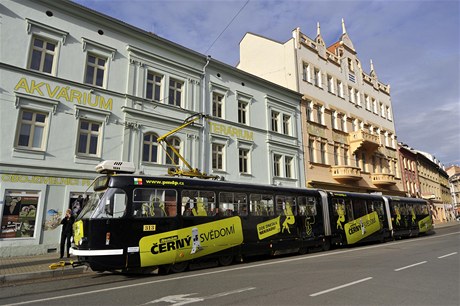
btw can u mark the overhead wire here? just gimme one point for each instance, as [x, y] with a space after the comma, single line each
[231, 21]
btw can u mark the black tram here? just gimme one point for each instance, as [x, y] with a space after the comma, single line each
[134, 222]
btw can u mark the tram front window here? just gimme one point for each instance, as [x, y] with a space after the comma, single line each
[108, 204]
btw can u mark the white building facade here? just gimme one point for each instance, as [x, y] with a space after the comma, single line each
[78, 87]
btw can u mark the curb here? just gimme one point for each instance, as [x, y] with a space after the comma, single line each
[4, 279]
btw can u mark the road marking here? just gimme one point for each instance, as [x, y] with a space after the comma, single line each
[182, 299]
[341, 286]
[236, 268]
[450, 254]
[410, 266]
[178, 299]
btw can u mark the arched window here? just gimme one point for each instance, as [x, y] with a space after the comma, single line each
[171, 157]
[150, 148]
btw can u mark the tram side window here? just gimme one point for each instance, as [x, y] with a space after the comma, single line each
[343, 209]
[286, 206]
[153, 202]
[233, 204]
[261, 205]
[376, 206]
[198, 203]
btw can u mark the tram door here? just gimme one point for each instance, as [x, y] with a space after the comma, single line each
[342, 213]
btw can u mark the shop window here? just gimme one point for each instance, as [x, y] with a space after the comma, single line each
[19, 214]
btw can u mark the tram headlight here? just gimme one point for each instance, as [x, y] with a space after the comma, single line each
[82, 240]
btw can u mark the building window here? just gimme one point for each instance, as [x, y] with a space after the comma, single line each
[150, 148]
[32, 127]
[286, 125]
[350, 65]
[310, 111]
[357, 98]
[244, 161]
[306, 76]
[334, 119]
[89, 135]
[343, 123]
[276, 165]
[275, 121]
[175, 92]
[336, 155]
[242, 112]
[345, 156]
[367, 101]
[171, 157]
[217, 104]
[389, 113]
[351, 94]
[374, 105]
[323, 152]
[288, 165]
[217, 156]
[340, 88]
[95, 70]
[154, 86]
[319, 114]
[42, 55]
[318, 80]
[311, 150]
[382, 110]
[363, 162]
[330, 84]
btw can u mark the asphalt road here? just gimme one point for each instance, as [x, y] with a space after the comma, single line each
[420, 271]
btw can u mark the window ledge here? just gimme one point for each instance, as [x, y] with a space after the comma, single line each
[29, 153]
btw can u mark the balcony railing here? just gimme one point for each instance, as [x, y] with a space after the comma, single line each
[346, 173]
[383, 179]
[362, 139]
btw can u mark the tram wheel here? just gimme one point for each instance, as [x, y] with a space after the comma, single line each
[225, 260]
[179, 267]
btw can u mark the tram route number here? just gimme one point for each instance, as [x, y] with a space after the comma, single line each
[150, 227]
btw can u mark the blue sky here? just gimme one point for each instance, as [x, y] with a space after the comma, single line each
[414, 45]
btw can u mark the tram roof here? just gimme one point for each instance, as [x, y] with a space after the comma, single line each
[179, 182]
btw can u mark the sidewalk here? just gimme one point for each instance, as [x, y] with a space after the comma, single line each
[13, 269]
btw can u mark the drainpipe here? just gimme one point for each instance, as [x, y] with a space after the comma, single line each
[204, 130]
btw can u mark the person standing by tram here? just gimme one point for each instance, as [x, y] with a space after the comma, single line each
[66, 233]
